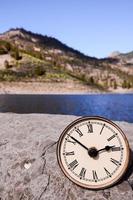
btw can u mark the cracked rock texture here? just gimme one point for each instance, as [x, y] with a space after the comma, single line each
[28, 163]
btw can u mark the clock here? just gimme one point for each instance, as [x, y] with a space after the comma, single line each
[93, 152]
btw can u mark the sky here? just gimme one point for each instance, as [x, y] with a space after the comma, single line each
[94, 27]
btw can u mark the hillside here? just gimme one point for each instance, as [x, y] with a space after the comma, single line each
[30, 57]
[124, 58]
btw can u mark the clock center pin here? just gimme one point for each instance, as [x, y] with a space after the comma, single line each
[93, 152]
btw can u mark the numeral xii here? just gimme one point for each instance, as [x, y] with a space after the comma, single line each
[90, 128]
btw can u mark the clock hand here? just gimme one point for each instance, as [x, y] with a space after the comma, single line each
[78, 142]
[93, 152]
[107, 148]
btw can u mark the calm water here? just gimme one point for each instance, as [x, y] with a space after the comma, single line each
[113, 106]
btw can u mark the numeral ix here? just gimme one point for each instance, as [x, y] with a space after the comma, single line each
[69, 153]
[73, 164]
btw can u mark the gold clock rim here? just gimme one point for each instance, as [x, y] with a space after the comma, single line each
[87, 186]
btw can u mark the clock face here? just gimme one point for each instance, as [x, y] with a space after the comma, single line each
[93, 152]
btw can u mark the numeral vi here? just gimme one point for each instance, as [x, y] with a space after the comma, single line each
[95, 177]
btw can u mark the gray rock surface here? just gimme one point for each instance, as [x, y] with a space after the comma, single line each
[28, 164]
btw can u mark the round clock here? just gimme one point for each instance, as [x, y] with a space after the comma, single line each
[93, 152]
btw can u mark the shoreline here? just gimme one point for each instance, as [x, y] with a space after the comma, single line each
[54, 88]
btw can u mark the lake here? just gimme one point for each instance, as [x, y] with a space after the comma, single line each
[113, 106]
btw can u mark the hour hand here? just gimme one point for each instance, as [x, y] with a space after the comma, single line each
[93, 152]
[106, 148]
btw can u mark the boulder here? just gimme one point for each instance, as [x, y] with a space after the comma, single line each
[28, 162]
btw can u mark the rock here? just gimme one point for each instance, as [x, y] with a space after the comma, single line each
[68, 67]
[28, 163]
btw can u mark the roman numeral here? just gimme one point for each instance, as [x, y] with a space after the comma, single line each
[90, 128]
[73, 142]
[116, 148]
[116, 162]
[79, 132]
[107, 172]
[73, 164]
[95, 177]
[102, 129]
[69, 153]
[113, 136]
[82, 173]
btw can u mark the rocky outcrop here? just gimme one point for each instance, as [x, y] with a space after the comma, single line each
[28, 164]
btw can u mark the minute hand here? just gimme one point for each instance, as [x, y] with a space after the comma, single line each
[79, 142]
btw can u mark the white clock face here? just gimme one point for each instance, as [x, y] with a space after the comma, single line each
[93, 152]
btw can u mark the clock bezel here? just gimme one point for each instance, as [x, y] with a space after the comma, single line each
[94, 187]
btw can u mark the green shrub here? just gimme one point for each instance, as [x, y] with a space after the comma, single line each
[5, 47]
[8, 46]
[128, 85]
[7, 75]
[15, 54]
[124, 84]
[2, 51]
[83, 77]
[91, 80]
[6, 64]
[115, 85]
[39, 70]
